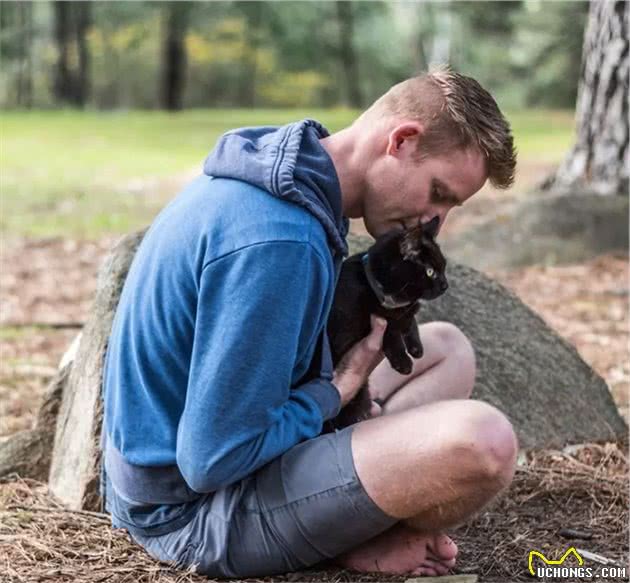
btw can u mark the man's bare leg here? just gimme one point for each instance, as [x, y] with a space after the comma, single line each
[445, 371]
[445, 460]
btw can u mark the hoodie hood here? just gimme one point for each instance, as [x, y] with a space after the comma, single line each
[288, 162]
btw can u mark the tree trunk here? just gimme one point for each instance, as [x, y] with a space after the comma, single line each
[25, 76]
[347, 53]
[421, 59]
[175, 23]
[82, 13]
[598, 161]
[252, 12]
[63, 83]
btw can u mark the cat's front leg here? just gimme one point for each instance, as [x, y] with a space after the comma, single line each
[411, 338]
[394, 350]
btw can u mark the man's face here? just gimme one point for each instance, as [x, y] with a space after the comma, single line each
[403, 190]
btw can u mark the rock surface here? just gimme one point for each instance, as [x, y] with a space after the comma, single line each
[74, 471]
[544, 229]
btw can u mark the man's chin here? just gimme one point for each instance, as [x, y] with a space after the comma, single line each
[377, 230]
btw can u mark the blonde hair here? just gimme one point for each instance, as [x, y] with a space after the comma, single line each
[457, 113]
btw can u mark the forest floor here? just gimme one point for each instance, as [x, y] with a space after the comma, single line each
[558, 500]
[47, 281]
[46, 288]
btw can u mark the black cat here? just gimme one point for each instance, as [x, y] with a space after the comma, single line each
[388, 280]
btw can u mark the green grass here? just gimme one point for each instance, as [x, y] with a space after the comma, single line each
[88, 173]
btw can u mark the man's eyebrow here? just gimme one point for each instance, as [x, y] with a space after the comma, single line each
[447, 192]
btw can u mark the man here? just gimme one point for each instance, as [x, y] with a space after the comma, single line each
[218, 374]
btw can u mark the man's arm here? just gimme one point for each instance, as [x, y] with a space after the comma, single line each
[259, 308]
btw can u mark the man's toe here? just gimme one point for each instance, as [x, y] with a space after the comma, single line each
[443, 547]
[439, 567]
[448, 563]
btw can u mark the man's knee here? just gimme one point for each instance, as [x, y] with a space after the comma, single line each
[455, 450]
[486, 437]
[457, 348]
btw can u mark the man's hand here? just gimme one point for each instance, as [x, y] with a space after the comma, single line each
[356, 365]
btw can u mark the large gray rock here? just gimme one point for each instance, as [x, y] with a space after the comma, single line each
[524, 368]
[544, 229]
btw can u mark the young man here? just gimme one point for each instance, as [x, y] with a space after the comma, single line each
[218, 374]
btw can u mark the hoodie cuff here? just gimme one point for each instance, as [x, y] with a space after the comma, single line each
[326, 395]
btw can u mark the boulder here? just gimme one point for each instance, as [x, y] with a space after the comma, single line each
[74, 470]
[552, 228]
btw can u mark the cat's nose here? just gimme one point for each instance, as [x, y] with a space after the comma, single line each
[444, 286]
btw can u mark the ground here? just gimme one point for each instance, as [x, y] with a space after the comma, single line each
[56, 233]
[557, 500]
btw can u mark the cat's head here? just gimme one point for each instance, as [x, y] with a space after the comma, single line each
[409, 264]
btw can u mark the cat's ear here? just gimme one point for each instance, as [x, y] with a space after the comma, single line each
[410, 244]
[431, 228]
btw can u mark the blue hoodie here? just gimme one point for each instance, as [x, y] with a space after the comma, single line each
[218, 359]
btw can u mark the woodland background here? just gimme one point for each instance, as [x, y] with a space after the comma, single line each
[108, 108]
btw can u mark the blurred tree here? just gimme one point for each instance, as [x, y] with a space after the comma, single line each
[83, 21]
[125, 45]
[145, 54]
[483, 36]
[382, 48]
[173, 80]
[63, 78]
[347, 54]
[548, 51]
[71, 23]
[252, 13]
[25, 76]
[16, 33]
[599, 159]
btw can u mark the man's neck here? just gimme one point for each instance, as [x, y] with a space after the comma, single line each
[346, 149]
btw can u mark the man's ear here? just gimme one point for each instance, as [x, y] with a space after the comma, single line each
[404, 138]
[431, 228]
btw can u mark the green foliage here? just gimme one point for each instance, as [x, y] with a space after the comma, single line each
[288, 54]
[549, 51]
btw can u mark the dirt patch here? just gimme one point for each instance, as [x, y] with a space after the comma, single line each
[584, 491]
[46, 288]
[49, 280]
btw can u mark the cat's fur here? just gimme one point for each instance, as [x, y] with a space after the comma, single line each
[387, 282]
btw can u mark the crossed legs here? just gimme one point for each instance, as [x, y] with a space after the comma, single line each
[432, 459]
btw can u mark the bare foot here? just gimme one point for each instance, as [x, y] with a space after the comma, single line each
[402, 550]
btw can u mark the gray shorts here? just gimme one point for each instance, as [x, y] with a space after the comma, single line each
[303, 507]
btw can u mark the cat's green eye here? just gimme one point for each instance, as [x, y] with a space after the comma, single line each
[430, 271]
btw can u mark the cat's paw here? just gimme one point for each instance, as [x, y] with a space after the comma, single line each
[402, 365]
[412, 341]
[415, 350]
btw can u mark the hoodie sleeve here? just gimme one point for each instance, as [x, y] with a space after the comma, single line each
[259, 308]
